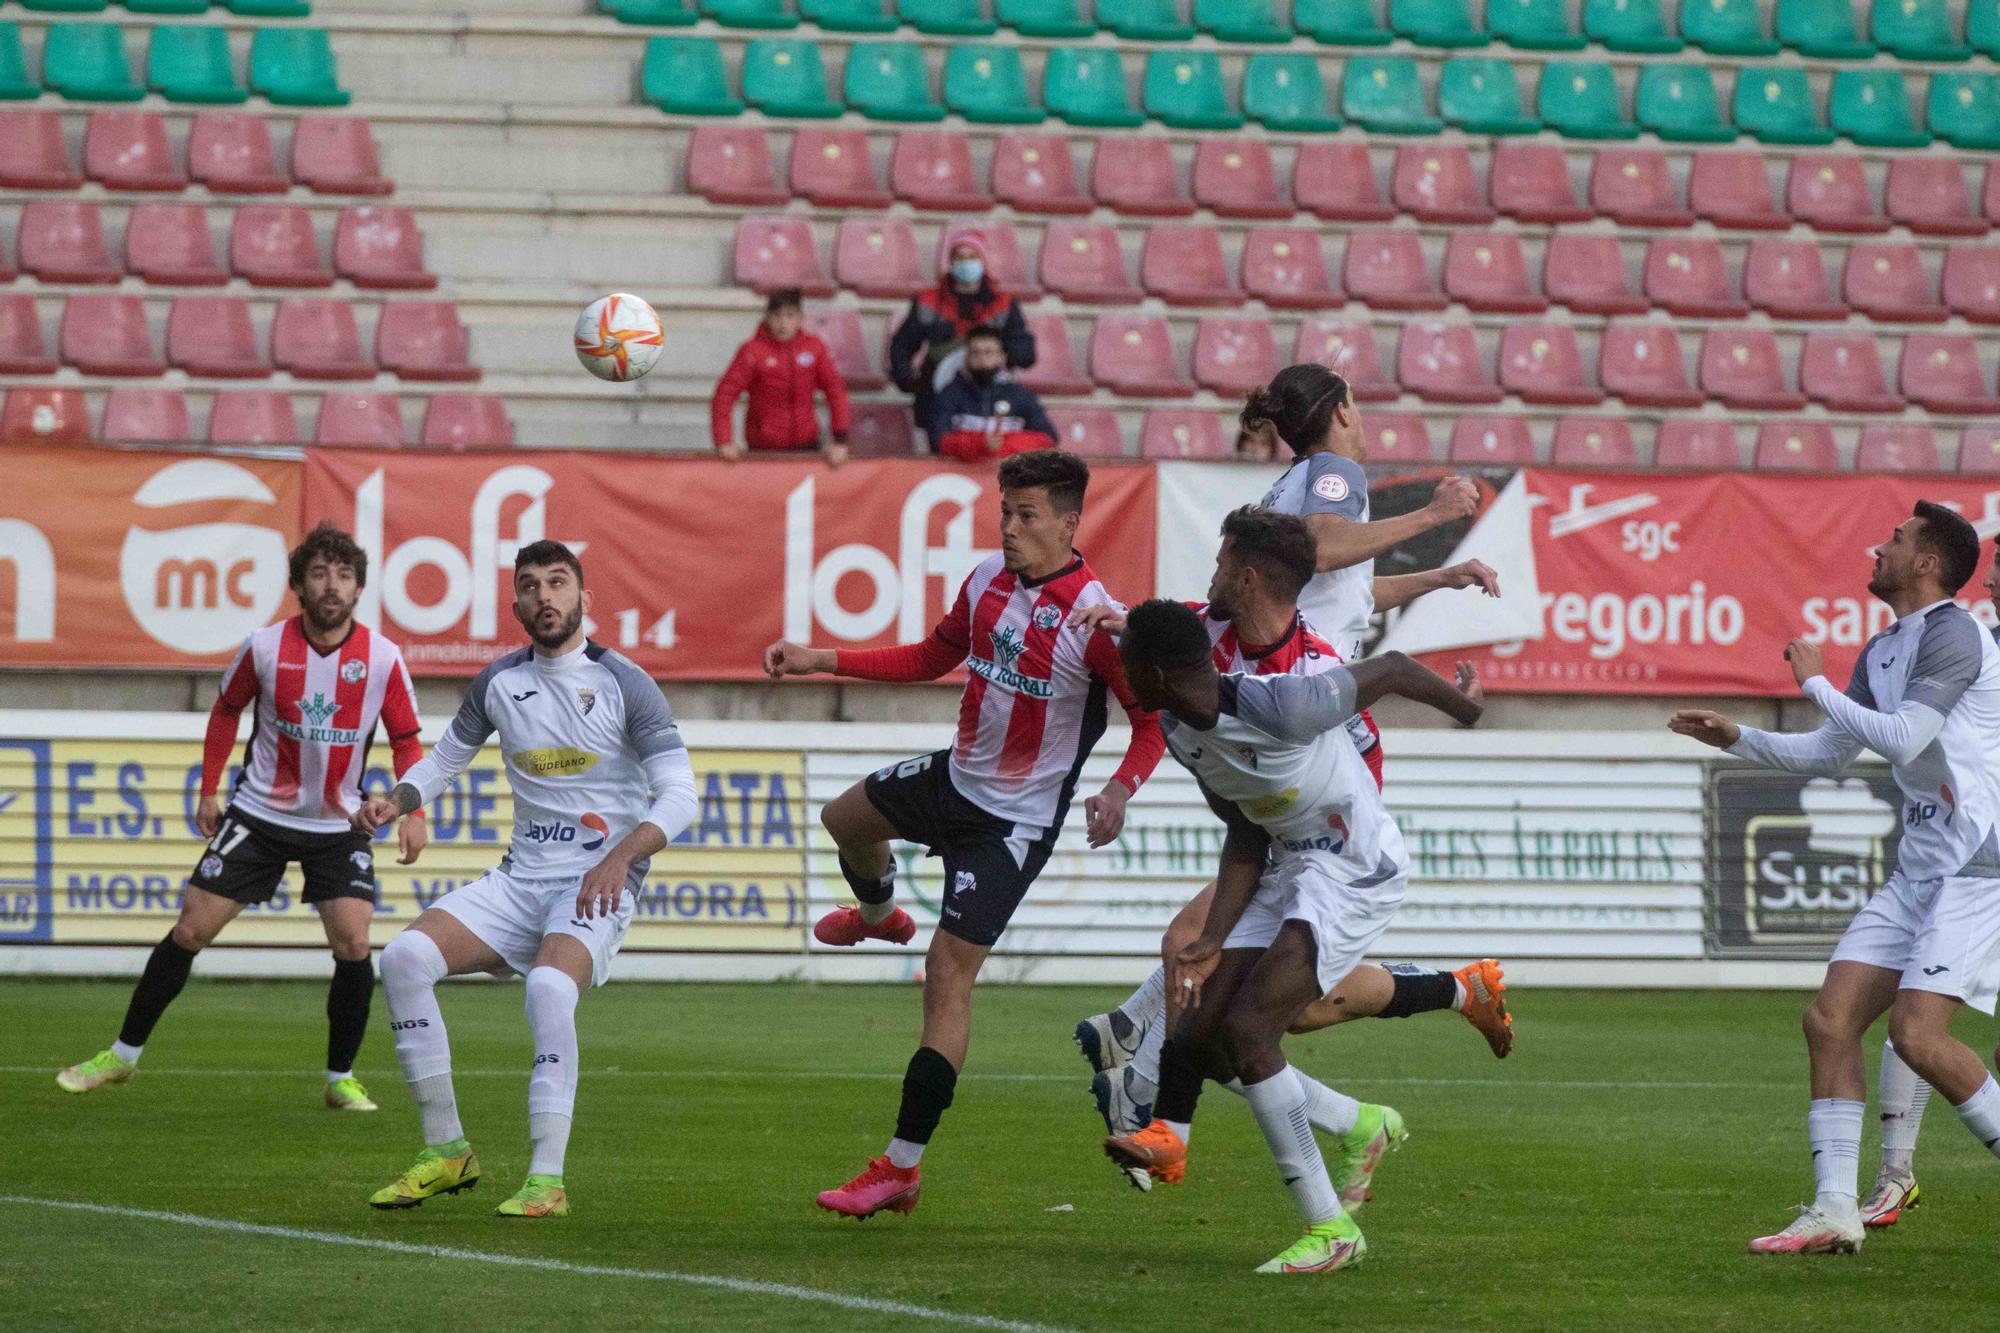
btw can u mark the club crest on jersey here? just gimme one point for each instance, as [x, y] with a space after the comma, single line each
[1047, 617]
[354, 671]
[586, 698]
[1331, 486]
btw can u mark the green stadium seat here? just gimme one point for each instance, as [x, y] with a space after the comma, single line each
[1144, 20]
[1965, 109]
[66, 6]
[1047, 18]
[85, 62]
[172, 6]
[1916, 30]
[1385, 94]
[1184, 89]
[1286, 93]
[1533, 25]
[1630, 25]
[295, 67]
[947, 18]
[269, 9]
[1726, 27]
[1480, 96]
[190, 63]
[15, 85]
[1678, 102]
[1580, 101]
[1823, 29]
[684, 76]
[782, 76]
[1871, 107]
[1241, 21]
[1085, 85]
[1447, 23]
[1982, 26]
[888, 81]
[986, 83]
[1775, 103]
[763, 15]
[654, 13]
[850, 15]
[1340, 22]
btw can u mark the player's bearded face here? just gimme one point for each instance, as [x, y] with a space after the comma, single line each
[327, 595]
[549, 604]
[1893, 559]
[1223, 586]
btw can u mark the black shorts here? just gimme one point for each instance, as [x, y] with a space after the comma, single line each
[988, 863]
[247, 857]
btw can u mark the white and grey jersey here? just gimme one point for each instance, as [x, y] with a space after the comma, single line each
[1337, 603]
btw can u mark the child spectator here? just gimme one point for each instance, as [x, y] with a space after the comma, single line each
[780, 367]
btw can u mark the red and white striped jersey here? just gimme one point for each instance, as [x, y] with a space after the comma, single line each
[1300, 653]
[316, 715]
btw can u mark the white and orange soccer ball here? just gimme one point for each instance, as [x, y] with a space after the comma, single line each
[618, 337]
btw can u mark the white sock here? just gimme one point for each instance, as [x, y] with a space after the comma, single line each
[1902, 1097]
[333, 1076]
[1458, 994]
[1981, 1114]
[1180, 1127]
[1279, 1103]
[129, 1054]
[1146, 1006]
[1334, 1112]
[1833, 1126]
[904, 1154]
[411, 969]
[1147, 1058]
[551, 1005]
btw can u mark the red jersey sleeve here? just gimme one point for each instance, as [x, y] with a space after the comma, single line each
[239, 691]
[944, 648]
[399, 720]
[1148, 743]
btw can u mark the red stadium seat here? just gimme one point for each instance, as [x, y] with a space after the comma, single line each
[378, 247]
[105, 334]
[731, 164]
[22, 349]
[1234, 178]
[337, 155]
[1829, 192]
[1441, 362]
[1337, 182]
[170, 244]
[1492, 441]
[1594, 442]
[877, 256]
[773, 253]
[1634, 186]
[230, 152]
[64, 242]
[1642, 364]
[1485, 271]
[835, 169]
[1234, 356]
[33, 153]
[1530, 182]
[1586, 272]
[1005, 263]
[1972, 282]
[146, 416]
[1886, 280]
[1036, 173]
[1979, 449]
[1392, 437]
[1136, 176]
[1386, 269]
[128, 150]
[1897, 446]
[364, 418]
[840, 330]
[1081, 261]
[1734, 190]
[1184, 432]
[881, 430]
[1687, 276]
[933, 169]
[1542, 364]
[319, 340]
[1708, 443]
[1796, 445]
[1090, 431]
[274, 245]
[1436, 183]
[423, 340]
[1134, 355]
[1844, 371]
[7, 270]
[1742, 368]
[1054, 371]
[44, 416]
[252, 417]
[1941, 372]
[466, 421]
[1183, 265]
[1347, 346]
[1992, 209]
[1285, 269]
[1787, 280]
[1928, 195]
[212, 336]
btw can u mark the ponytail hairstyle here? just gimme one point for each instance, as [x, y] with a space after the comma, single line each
[1298, 404]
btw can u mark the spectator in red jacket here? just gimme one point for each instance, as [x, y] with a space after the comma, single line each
[983, 411]
[780, 367]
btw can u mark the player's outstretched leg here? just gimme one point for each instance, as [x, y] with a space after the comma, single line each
[1476, 991]
[412, 966]
[551, 1005]
[862, 834]
[1902, 1097]
[1111, 1040]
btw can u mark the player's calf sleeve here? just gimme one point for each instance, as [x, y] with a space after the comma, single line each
[1981, 1114]
[166, 972]
[1902, 1097]
[1179, 1089]
[1146, 1006]
[1147, 1058]
[928, 1085]
[411, 970]
[1279, 1103]
[1833, 1127]
[1419, 990]
[347, 999]
[551, 1005]
[876, 896]
[1330, 1110]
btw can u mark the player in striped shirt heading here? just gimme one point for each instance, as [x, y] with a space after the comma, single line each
[992, 804]
[317, 685]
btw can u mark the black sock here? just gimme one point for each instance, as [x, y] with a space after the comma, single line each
[166, 972]
[347, 998]
[1419, 990]
[927, 1089]
[1180, 1085]
[869, 890]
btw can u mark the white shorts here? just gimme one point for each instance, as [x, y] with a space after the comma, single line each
[511, 916]
[1346, 919]
[1943, 935]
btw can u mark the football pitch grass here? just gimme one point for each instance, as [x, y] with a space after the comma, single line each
[1606, 1176]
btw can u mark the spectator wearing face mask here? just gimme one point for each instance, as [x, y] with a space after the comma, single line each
[780, 367]
[983, 411]
[941, 317]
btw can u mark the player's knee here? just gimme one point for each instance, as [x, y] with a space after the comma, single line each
[1917, 1041]
[1820, 1023]
[549, 985]
[411, 957]
[192, 937]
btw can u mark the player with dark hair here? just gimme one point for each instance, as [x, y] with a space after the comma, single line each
[992, 804]
[1925, 695]
[984, 411]
[319, 683]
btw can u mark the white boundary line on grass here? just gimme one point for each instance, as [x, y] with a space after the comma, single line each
[742, 1286]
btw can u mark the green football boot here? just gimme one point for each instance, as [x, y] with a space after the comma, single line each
[1325, 1247]
[539, 1196]
[104, 1067]
[445, 1169]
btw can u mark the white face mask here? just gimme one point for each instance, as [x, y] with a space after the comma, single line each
[967, 270]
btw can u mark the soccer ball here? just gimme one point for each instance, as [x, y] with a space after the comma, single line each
[618, 337]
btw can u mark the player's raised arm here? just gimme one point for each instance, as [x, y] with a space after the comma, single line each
[927, 659]
[1947, 662]
[1394, 590]
[1343, 539]
[1300, 708]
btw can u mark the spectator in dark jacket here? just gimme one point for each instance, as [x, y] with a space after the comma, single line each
[964, 299]
[780, 367]
[983, 412]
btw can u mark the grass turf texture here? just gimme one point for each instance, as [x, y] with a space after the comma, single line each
[1605, 1176]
